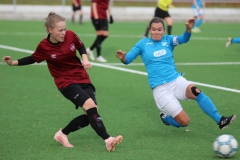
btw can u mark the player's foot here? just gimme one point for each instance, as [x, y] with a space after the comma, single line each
[162, 115]
[90, 53]
[229, 41]
[62, 138]
[196, 30]
[101, 59]
[225, 121]
[111, 142]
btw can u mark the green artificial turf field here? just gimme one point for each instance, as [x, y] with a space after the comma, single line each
[32, 109]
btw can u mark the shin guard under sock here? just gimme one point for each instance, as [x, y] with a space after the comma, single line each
[208, 107]
[96, 122]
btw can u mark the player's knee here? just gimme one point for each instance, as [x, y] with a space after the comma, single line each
[89, 103]
[195, 91]
[185, 122]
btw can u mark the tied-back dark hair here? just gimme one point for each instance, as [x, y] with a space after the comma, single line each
[51, 19]
[156, 20]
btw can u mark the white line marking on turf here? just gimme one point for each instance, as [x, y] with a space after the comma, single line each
[123, 69]
[112, 35]
[182, 64]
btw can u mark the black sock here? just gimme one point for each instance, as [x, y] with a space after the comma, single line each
[97, 41]
[169, 30]
[146, 33]
[96, 122]
[103, 38]
[99, 46]
[73, 19]
[80, 20]
[76, 124]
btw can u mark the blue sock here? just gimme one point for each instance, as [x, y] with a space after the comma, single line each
[208, 107]
[236, 40]
[198, 23]
[172, 121]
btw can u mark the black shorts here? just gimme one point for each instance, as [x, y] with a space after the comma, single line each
[103, 24]
[76, 8]
[79, 93]
[161, 14]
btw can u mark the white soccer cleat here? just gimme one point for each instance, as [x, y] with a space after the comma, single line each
[62, 138]
[90, 53]
[196, 30]
[101, 59]
[111, 142]
[229, 41]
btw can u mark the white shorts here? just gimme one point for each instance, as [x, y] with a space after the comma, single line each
[167, 96]
[196, 12]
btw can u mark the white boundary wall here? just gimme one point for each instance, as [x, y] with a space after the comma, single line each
[39, 12]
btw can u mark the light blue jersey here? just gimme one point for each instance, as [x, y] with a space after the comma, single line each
[158, 57]
[199, 3]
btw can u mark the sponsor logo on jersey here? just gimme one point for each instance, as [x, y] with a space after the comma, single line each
[54, 56]
[149, 43]
[159, 53]
[72, 47]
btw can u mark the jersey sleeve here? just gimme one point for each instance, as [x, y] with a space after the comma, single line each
[184, 38]
[134, 53]
[39, 54]
[78, 43]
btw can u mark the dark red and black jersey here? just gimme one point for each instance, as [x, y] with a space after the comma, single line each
[102, 6]
[63, 63]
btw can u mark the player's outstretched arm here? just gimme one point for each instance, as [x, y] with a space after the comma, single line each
[8, 60]
[189, 25]
[121, 55]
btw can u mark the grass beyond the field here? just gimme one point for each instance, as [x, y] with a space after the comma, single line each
[32, 109]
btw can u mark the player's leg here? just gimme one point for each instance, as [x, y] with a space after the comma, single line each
[96, 41]
[169, 24]
[84, 96]
[236, 40]
[103, 34]
[156, 14]
[195, 29]
[199, 21]
[80, 15]
[96, 121]
[206, 104]
[171, 110]
[73, 13]
[174, 115]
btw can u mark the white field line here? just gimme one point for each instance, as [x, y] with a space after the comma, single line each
[183, 64]
[123, 69]
[112, 35]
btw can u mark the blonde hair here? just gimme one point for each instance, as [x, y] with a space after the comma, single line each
[51, 19]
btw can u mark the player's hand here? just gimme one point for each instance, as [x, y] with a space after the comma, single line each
[7, 59]
[111, 19]
[97, 22]
[190, 23]
[121, 55]
[86, 64]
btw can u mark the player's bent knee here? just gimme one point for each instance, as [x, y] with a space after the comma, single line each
[195, 91]
[89, 103]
